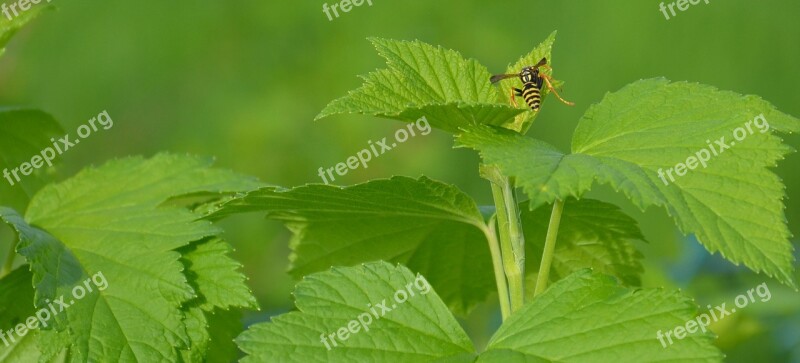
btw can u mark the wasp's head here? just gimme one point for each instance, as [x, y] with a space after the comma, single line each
[529, 74]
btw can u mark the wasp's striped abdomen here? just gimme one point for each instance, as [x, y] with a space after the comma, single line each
[532, 95]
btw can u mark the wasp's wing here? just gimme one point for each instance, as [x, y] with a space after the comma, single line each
[499, 77]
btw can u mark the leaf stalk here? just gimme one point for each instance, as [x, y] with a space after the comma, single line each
[512, 241]
[497, 263]
[549, 247]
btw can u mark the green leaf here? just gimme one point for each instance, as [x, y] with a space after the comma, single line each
[593, 234]
[23, 135]
[106, 223]
[420, 329]
[216, 275]
[429, 226]
[734, 205]
[199, 340]
[424, 80]
[588, 318]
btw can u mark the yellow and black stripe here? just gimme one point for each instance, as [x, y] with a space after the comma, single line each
[532, 95]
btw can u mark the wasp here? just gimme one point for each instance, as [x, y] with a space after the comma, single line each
[532, 82]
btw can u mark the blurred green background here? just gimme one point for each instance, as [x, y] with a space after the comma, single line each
[242, 81]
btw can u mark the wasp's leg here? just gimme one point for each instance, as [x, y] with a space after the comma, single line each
[515, 92]
[552, 89]
[547, 67]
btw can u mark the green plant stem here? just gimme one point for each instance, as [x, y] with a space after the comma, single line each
[512, 242]
[9, 264]
[549, 247]
[514, 225]
[497, 263]
[512, 269]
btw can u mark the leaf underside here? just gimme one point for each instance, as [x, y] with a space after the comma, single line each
[429, 226]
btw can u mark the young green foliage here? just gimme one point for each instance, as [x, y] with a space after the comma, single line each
[734, 205]
[105, 221]
[210, 325]
[212, 271]
[424, 80]
[433, 228]
[587, 317]
[452, 92]
[171, 282]
[555, 327]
